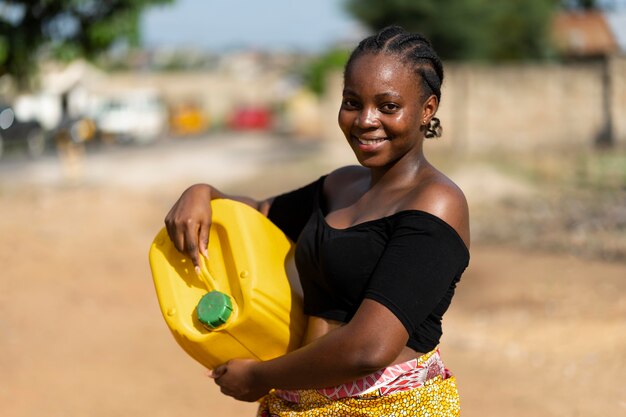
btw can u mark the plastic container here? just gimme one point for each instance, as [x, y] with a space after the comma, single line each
[243, 304]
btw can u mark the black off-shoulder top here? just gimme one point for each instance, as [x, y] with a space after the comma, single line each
[410, 262]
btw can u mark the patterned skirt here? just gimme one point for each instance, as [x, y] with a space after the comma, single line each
[418, 387]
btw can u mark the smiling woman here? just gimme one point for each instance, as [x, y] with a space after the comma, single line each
[380, 248]
[378, 113]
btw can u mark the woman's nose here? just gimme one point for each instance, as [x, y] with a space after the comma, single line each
[367, 118]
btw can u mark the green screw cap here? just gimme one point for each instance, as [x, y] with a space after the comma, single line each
[214, 309]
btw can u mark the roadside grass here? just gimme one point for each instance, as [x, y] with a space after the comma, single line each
[578, 205]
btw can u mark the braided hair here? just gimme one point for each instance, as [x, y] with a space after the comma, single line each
[413, 49]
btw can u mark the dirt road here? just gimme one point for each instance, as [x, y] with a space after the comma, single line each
[529, 334]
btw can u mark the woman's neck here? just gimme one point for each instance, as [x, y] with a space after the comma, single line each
[399, 173]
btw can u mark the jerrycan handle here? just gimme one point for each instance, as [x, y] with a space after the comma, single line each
[205, 273]
[214, 309]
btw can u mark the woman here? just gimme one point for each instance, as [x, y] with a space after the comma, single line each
[380, 248]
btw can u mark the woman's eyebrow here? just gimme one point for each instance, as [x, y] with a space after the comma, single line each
[386, 94]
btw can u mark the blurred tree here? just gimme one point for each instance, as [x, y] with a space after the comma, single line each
[65, 28]
[607, 5]
[315, 73]
[467, 29]
[579, 4]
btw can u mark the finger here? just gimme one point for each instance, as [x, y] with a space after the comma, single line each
[218, 372]
[191, 244]
[203, 238]
[179, 241]
[169, 226]
[213, 374]
[177, 238]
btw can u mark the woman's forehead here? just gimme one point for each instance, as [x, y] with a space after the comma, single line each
[381, 68]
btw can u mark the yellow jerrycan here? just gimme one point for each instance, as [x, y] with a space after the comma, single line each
[242, 304]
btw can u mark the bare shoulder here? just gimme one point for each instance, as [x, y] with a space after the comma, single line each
[346, 175]
[441, 197]
[340, 180]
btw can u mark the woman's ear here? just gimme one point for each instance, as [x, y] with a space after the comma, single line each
[429, 109]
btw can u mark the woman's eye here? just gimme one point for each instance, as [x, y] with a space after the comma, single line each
[389, 107]
[349, 103]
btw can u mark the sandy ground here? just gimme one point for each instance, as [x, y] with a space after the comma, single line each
[528, 334]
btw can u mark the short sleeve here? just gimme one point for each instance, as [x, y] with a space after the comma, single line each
[424, 257]
[291, 211]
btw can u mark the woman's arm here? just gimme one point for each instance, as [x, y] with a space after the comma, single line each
[370, 341]
[189, 220]
[421, 261]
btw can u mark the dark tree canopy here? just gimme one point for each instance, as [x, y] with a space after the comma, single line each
[64, 28]
[467, 29]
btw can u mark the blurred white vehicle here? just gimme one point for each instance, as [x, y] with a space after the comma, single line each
[134, 116]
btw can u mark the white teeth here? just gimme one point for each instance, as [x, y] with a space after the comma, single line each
[370, 142]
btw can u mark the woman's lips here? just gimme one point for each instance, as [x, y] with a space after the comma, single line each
[369, 144]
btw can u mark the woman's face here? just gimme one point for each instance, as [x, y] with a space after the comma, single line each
[382, 109]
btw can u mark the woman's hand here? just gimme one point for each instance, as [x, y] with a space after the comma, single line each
[237, 379]
[189, 220]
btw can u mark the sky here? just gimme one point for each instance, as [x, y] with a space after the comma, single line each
[310, 25]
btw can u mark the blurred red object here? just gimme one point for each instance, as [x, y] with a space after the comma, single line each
[251, 118]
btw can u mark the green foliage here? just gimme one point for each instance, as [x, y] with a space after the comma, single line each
[4, 49]
[65, 28]
[489, 30]
[315, 74]
[580, 4]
